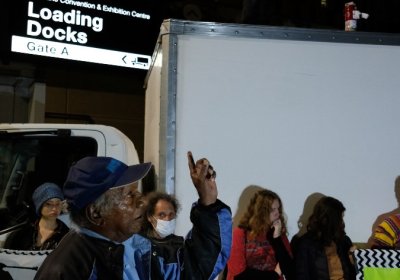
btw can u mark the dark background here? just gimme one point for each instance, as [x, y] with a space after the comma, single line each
[296, 13]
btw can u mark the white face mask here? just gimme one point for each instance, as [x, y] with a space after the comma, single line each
[165, 228]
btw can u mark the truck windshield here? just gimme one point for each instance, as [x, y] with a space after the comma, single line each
[26, 161]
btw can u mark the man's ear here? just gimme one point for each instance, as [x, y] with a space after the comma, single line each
[93, 215]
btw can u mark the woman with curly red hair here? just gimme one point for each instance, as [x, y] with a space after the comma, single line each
[260, 247]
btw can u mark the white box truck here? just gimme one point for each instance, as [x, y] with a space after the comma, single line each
[302, 112]
[32, 154]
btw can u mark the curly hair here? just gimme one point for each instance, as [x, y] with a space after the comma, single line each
[152, 199]
[256, 219]
[326, 223]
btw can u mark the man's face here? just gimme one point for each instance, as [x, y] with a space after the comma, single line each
[125, 218]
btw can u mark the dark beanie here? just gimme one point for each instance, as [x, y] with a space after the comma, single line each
[45, 192]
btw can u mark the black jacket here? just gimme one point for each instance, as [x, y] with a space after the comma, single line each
[312, 263]
[25, 237]
[79, 256]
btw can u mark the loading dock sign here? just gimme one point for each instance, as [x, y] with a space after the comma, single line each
[80, 53]
[91, 32]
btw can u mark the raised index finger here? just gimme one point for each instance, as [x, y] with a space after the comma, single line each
[192, 164]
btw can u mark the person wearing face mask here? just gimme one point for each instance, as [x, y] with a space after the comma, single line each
[160, 215]
[204, 251]
[159, 226]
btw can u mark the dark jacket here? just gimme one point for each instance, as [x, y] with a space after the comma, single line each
[25, 237]
[202, 256]
[166, 248]
[312, 263]
[79, 256]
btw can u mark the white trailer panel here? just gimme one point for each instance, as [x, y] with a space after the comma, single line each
[301, 112]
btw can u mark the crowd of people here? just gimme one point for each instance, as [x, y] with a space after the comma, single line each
[119, 233]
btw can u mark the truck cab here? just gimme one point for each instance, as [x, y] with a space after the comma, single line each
[31, 154]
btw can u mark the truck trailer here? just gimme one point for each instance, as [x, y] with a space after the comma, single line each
[304, 112]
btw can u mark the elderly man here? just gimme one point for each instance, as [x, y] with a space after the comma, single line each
[107, 207]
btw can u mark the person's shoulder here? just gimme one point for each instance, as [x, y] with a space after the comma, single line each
[72, 248]
[239, 230]
[75, 242]
[137, 240]
[71, 241]
[348, 239]
[70, 259]
[392, 219]
[306, 239]
[217, 206]
[390, 224]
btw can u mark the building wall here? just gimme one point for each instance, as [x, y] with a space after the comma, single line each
[124, 111]
[13, 108]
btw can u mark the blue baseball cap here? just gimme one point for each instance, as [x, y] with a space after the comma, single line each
[90, 177]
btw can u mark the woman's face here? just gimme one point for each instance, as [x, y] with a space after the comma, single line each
[51, 208]
[274, 211]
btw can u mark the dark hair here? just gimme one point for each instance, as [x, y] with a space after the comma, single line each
[152, 199]
[256, 218]
[326, 222]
